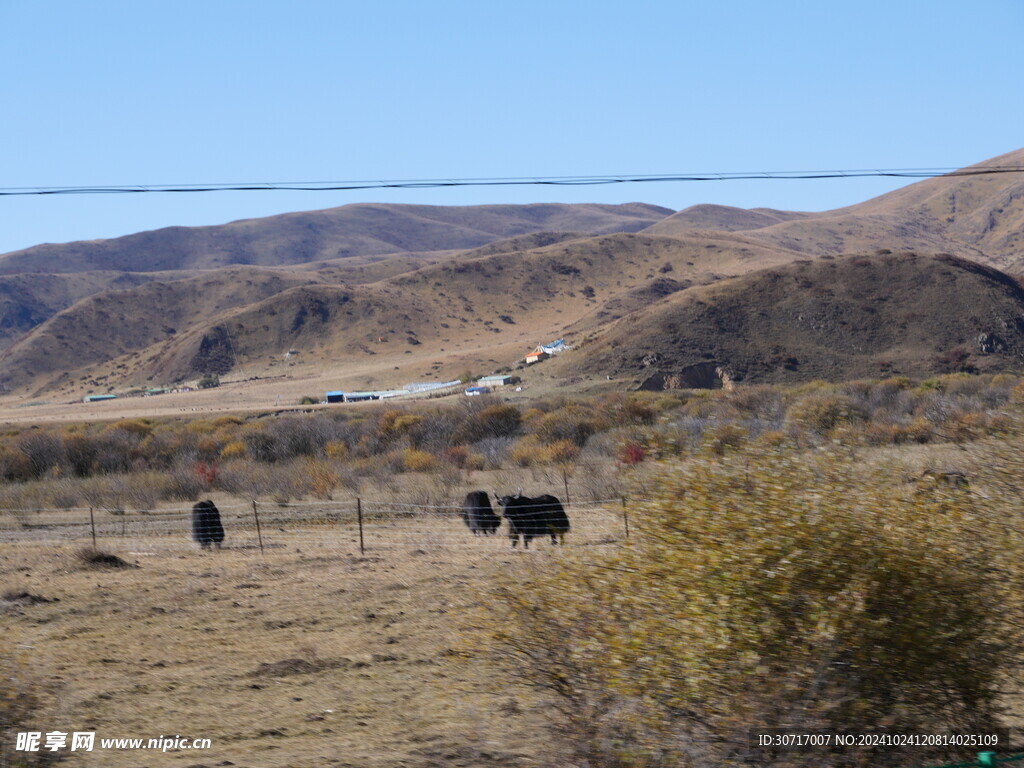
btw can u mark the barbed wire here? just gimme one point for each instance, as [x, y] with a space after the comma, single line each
[304, 524]
[263, 504]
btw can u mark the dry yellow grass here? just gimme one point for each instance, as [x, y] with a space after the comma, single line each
[311, 654]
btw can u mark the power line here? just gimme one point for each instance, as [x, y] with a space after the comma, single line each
[337, 186]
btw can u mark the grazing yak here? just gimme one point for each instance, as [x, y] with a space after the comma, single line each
[206, 526]
[532, 517]
[478, 515]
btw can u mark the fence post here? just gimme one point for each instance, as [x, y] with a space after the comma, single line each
[359, 515]
[259, 533]
[565, 482]
[92, 524]
[625, 517]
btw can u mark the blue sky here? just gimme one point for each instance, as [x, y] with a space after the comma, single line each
[185, 91]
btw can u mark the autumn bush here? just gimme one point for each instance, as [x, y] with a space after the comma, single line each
[572, 422]
[40, 464]
[415, 460]
[525, 452]
[823, 413]
[499, 420]
[766, 589]
[323, 478]
[632, 452]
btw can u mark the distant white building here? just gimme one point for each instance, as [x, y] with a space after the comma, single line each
[497, 381]
[555, 347]
[544, 351]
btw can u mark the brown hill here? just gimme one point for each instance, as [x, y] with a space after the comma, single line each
[723, 218]
[984, 211]
[834, 319]
[502, 302]
[977, 217]
[102, 327]
[351, 230]
[26, 300]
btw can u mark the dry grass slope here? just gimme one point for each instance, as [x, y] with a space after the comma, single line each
[832, 319]
[352, 230]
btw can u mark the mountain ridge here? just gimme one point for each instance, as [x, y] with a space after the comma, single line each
[477, 286]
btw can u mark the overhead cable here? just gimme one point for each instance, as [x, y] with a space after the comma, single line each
[337, 186]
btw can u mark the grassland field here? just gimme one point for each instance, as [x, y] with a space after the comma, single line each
[307, 653]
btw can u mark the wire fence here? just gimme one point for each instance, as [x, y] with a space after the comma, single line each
[364, 525]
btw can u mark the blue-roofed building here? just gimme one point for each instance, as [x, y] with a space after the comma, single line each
[98, 398]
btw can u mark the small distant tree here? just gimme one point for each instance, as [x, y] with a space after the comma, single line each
[208, 381]
[206, 472]
[632, 453]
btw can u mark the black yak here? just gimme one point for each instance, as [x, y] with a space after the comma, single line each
[532, 517]
[478, 515]
[206, 526]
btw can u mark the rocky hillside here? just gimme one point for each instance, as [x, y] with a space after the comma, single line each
[831, 318]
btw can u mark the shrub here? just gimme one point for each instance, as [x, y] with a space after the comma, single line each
[627, 411]
[759, 402]
[415, 460]
[572, 422]
[563, 452]
[206, 473]
[632, 453]
[228, 420]
[475, 461]
[668, 402]
[822, 413]
[14, 465]
[455, 455]
[323, 478]
[494, 451]
[140, 427]
[725, 438]
[336, 450]
[43, 450]
[233, 450]
[498, 421]
[768, 590]
[394, 424]
[525, 452]
[183, 484]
